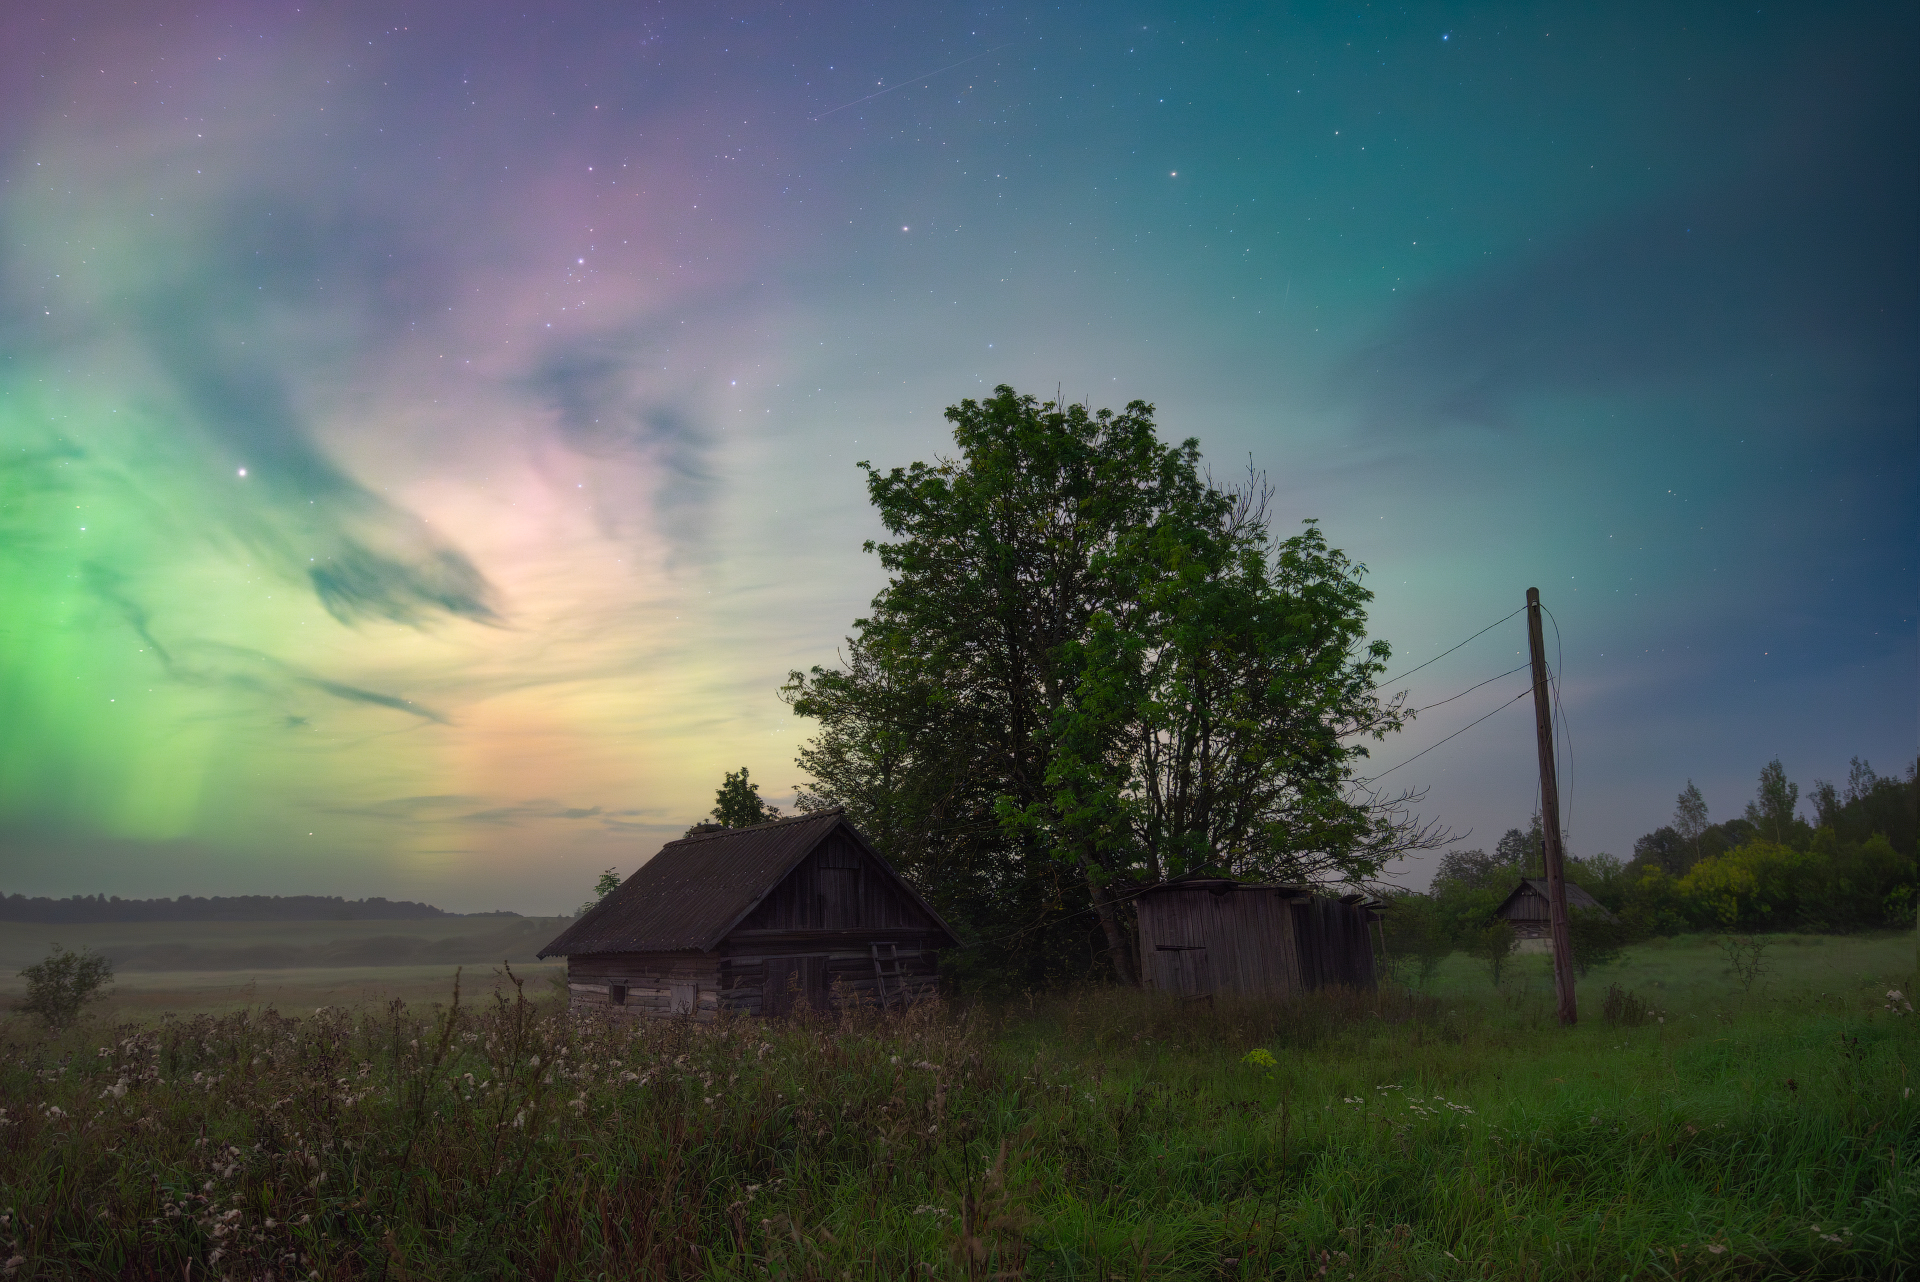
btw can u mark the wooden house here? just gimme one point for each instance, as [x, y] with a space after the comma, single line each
[1526, 908]
[753, 920]
[1203, 935]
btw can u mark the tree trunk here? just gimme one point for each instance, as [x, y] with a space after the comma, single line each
[1109, 913]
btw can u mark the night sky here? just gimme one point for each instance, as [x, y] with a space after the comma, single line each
[427, 432]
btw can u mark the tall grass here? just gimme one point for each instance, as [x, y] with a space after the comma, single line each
[1088, 1136]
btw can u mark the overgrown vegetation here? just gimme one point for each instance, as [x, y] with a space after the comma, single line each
[1091, 1135]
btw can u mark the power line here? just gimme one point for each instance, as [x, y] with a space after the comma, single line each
[1436, 658]
[1462, 730]
[1470, 689]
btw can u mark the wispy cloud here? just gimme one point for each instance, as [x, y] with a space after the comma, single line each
[1810, 260]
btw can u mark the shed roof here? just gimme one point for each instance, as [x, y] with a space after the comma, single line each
[1511, 906]
[696, 889]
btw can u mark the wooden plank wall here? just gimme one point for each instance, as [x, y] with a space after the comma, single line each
[1336, 945]
[1195, 942]
[1528, 905]
[1252, 939]
[737, 978]
[837, 888]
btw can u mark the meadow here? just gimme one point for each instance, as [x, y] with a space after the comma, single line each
[1457, 1132]
[192, 966]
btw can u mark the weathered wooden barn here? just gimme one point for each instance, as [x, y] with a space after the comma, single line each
[1204, 935]
[1526, 908]
[753, 920]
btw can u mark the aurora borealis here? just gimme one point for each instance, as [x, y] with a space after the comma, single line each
[427, 431]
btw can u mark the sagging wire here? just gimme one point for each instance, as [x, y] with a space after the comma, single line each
[1462, 730]
[1443, 654]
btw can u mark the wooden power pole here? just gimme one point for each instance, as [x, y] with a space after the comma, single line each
[1550, 818]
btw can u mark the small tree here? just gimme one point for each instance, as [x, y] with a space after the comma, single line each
[60, 986]
[1494, 946]
[1416, 942]
[608, 883]
[1690, 818]
[1746, 958]
[738, 804]
[1597, 940]
[1771, 810]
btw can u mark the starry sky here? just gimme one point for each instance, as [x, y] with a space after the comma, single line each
[427, 431]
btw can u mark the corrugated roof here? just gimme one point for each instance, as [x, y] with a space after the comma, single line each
[698, 888]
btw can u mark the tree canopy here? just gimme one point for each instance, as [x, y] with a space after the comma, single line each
[1092, 669]
[737, 804]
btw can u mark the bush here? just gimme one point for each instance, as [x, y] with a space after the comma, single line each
[1415, 939]
[1494, 946]
[60, 986]
[1597, 940]
[1624, 1008]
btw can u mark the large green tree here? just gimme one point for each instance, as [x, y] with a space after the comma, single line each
[1090, 660]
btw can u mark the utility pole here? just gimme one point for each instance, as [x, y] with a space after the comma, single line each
[1550, 818]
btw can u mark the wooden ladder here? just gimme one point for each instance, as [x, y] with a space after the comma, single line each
[887, 967]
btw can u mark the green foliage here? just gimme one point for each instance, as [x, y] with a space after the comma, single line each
[1407, 1134]
[1596, 939]
[1524, 851]
[1690, 818]
[61, 986]
[1772, 808]
[737, 804]
[1771, 870]
[1494, 944]
[1623, 1008]
[1092, 668]
[608, 882]
[1417, 938]
[1871, 805]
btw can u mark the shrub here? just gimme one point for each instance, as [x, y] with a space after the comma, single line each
[1746, 958]
[1494, 946]
[1597, 940]
[1624, 1008]
[59, 987]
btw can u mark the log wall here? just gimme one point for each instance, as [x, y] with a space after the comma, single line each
[756, 973]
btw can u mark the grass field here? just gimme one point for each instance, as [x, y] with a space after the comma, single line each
[192, 967]
[1458, 1133]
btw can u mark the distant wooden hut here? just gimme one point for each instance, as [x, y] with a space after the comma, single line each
[1204, 935]
[1526, 908]
[752, 920]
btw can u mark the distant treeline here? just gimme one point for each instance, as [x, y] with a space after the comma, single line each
[96, 908]
[1851, 868]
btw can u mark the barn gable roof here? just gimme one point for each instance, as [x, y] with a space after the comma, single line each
[1577, 899]
[697, 889]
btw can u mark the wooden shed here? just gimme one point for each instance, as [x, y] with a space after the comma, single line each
[752, 920]
[1202, 935]
[1526, 908]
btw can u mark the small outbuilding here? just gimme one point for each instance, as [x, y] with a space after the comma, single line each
[1206, 935]
[754, 920]
[1526, 908]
